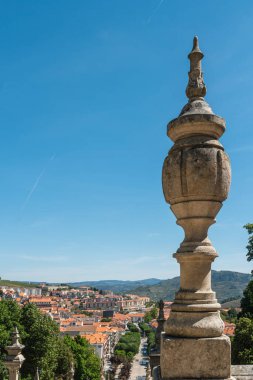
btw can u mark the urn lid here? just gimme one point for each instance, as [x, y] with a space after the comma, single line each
[196, 117]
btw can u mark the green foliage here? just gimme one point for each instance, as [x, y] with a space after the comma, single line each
[132, 327]
[17, 284]
[242, 344]
[9, 318]
[106, 319]
[65, 358]
[232, 315]
[226, 284]
[152, 314]
[149, 304]
[247, 301]
[151, 341]
[43, 345]
[128, 346]
[44, 348]
[145, 327]
[87, 364]
[229, 316]
[249, 228]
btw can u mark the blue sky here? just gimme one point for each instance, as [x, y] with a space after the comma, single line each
[86, 91]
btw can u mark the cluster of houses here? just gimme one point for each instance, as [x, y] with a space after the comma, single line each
[99, 317]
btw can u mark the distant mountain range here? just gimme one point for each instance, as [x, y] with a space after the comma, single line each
[117, 286]
[226, 284]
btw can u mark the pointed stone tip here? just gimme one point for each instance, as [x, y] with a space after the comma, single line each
[195, 48]
[196, 87]
[195, 42]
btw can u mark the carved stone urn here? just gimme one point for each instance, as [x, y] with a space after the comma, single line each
[196, 179]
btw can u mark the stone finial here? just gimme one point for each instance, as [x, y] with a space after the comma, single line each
[16, 347]
[37, 375]
[160, 327]
[196, 181]
[14, 358]
[161, 310]
[15, 338]
[196, 87]
[71, 373]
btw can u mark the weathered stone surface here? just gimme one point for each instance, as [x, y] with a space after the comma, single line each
[196, 171]
[242, 372]
[154, 359]
[196, 180]
[203, 358]
[239, 372]
[194, 324]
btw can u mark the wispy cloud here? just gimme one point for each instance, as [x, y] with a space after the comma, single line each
[36, 184]
[51, 259]
[154, 11]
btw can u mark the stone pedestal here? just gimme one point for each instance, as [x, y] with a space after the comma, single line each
[239, 372]
[13, 372]
[195, 358]
[196, 180]
[154, 359]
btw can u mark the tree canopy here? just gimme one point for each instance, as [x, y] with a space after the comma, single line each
[152, 314]
[44, 348]
[249, 228]
[242, 342]
[242, 347]
[247, 301]
[87, 364]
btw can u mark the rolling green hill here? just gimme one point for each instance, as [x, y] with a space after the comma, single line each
[117, 286]
[22, 284]
[226, 284]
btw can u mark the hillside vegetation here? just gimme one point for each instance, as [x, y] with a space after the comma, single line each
[117, 286]
[226, 284]
[20, 284]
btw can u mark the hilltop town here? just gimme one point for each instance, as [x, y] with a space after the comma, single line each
[99, 316]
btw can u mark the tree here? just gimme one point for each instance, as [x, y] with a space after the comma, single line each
[44, 349]
[151, 341]
[132, 327]
[242, 343]
[232, 314]
[9, 318]
[247, 301]
[242, 347]
[249, 228]
[87, 364]
[40, 335]
[152, 314]
[65, 358]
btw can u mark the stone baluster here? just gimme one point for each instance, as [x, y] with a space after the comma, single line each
[154, 356]
[196, 180]
[71, 373]
[160, 327]
[37, 374]
[14, 359]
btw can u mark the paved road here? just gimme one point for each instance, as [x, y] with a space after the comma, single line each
[137, 368]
